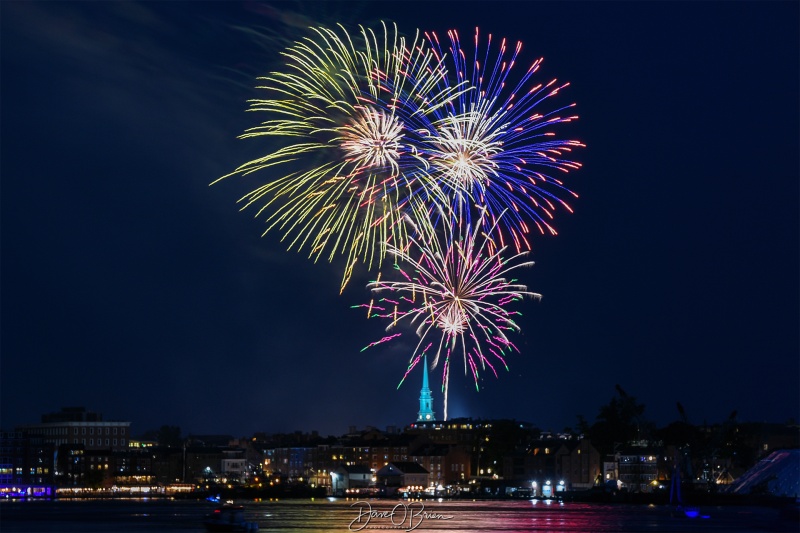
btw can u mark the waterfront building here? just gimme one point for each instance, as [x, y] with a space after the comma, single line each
[97, 468]
[432, 457]
[71, 466]
[27, 464]
[292, 463]
[610, 470]
[447, 464]
[638, 468]
[168, 465]
[208, 464]
[202, 464]
[134, 467]
[234, 465]
[566, 464]
[77, 426]
[402, 474]
[581, 468]
[347, 477]
[375, 452]
[540, 462]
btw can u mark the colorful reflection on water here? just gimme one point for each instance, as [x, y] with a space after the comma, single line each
[331, 515]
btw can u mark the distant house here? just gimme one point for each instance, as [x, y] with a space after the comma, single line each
[347, 477]
[446, 463]
[234, 464]
[402, 474]
[582, 467]
[540, 462]
[638, 468]
[292, 462]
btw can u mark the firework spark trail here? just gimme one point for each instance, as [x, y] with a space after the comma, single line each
[349, 111]
[412, 364]
[492, 147]
[459, 287]
[385, 339]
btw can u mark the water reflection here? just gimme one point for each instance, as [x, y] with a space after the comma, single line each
[329, 515]
[514, 516]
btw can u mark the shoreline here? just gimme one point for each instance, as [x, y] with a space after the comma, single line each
[583, 496]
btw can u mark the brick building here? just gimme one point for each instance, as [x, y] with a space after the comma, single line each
[77, 426]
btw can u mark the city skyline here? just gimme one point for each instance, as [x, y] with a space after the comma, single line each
[425, 417]
[131, 287]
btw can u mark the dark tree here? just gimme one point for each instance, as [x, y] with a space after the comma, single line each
[170, 436]
[583, 426]
[618, 423]
[165, 436]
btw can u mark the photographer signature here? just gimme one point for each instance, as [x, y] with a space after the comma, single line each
[406, 516]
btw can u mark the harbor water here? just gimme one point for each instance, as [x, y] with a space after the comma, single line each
[344, 515]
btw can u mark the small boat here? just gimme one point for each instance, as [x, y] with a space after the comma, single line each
[675, 497]
[228, 518]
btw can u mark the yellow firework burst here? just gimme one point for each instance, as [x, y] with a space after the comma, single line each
[347, 115]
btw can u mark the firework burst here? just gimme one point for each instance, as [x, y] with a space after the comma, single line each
[455, 291]
[384, 145]
[350, 112]
[492, 146]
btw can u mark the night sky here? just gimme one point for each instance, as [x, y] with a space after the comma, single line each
[133, 288]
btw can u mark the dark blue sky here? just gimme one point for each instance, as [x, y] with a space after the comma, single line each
[131, 287]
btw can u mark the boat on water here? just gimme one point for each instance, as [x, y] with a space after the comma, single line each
[228, 518]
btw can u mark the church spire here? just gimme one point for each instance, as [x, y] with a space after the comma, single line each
[425, 399]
